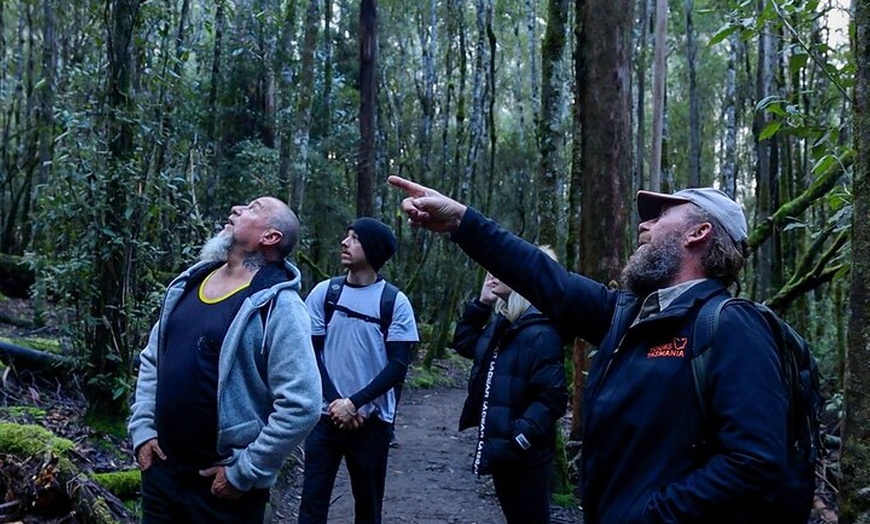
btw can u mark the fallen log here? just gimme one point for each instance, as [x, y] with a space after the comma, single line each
[45, 482]
[31, 358]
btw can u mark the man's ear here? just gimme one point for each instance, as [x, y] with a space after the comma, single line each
[698, 234]
[271, 237]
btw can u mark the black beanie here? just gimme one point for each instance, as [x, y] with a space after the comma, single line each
[378, 241]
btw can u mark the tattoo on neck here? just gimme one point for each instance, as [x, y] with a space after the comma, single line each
[253, 261]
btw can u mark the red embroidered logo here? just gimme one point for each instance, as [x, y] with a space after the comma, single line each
[674, 348]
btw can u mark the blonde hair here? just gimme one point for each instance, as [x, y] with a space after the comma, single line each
[516, 304]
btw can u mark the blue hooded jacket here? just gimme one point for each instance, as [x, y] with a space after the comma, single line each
[268, 384]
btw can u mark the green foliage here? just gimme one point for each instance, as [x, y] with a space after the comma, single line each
[18, 412]
[107, 423]
[565, 500]
[31, 441]
[423, 378]
[436, 376]
[122, 484]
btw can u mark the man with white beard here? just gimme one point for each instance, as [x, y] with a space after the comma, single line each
[228, 385]
[650, 453]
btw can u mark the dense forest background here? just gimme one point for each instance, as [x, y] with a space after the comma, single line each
[130, 127]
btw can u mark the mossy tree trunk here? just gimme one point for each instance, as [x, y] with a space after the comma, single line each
[550, 134]
[855, 458]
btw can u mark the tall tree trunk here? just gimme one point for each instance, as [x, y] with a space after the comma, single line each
[285, 78]
[532, 39]
[694, 101]
[462, 127]
[46, 103]
[604, 95]
[302, 114]
[765, 155]
[855, 455]
[213, 127]
[171, 71]
[478, 103]
[549, 127]
[105, 339]
[659, 76]
[368, 49]
[572, 244]
[646, 23]
[449, 95]
[327, 69]
[491, 128]
[45, 119]
[729, 162]
[426, 92]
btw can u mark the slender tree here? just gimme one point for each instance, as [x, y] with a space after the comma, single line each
[550, 124]
[305, 97]
[659, 76]
[285, 76]
[694, 100]
[765, 151]
[368, 53]
[729, 120]
[646, 23]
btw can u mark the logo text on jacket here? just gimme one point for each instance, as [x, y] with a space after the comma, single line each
[674, 348]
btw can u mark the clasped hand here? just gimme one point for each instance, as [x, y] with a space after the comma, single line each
[344, 414]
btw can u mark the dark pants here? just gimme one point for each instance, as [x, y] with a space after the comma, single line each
[365, 452]
[174, 495]
[524, 493]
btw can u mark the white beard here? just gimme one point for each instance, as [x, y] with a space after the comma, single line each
[217, 248]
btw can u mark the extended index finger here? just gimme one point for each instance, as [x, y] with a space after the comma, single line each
[413, 189]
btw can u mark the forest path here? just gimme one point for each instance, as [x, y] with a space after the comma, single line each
[429, 478]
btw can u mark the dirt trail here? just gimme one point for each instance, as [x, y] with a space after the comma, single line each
[429, 479]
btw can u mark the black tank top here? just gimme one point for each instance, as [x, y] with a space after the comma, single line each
[187, 375]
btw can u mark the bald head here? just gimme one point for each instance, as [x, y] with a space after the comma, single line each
[281, 218]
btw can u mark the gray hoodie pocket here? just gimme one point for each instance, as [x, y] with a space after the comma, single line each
[240, 435]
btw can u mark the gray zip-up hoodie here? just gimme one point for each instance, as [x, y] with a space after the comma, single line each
[268, 384]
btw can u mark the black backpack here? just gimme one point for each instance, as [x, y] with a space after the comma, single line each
[388, 302]
[792, 500]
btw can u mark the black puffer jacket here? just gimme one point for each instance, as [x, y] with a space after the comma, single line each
[527, 392]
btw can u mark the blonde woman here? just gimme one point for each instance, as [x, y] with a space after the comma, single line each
[516, 394]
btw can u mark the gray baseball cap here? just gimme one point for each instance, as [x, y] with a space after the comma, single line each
[719, 205]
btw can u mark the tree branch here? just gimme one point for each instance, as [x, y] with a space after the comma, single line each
[821, 187]
[804, 282]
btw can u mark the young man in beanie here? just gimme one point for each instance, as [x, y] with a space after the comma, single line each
[361, 361]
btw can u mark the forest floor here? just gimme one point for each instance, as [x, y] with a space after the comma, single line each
[429, 478]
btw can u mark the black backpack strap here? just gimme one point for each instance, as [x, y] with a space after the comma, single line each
[333, 291]
[388, 303]
[704, 334]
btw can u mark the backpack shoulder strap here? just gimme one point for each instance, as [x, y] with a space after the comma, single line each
[703, 337]
[388, 303]
[624, 313]
[333, 291]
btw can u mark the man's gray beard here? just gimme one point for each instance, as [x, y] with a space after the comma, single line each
[655, 266]
[217, 248]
